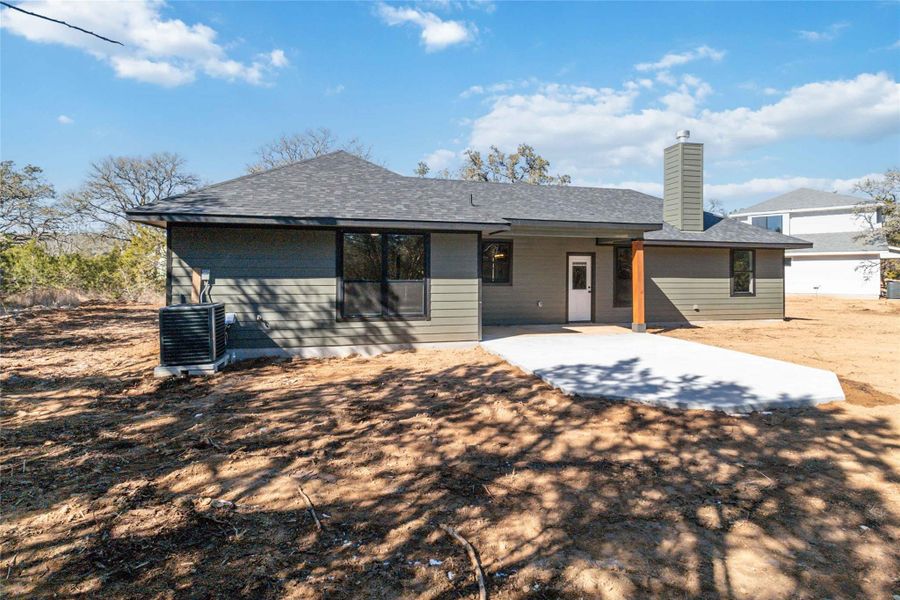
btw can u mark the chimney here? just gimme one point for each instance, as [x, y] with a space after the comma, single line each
[683, 184]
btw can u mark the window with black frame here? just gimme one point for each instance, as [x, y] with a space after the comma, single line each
[383, 274]
[772, 223]
[743, 273]
[622, 276]
[496, 262]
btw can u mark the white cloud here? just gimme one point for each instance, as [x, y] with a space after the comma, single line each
[156, 50]
[828, 34]
[496, 88]
[278, 59]
[770, 186]
[752, 190]
[588, 131]
[436, 33]
[334, 90]
[65, 120]
[675, 59]
[441, 159]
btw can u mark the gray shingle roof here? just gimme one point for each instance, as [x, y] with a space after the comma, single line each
[339, 187]
[723, 230]
[803, 198]
[843, 241]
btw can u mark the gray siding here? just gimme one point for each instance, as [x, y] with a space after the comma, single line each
[287, 277]
[539, 275]
[683, 186]
[677, 279]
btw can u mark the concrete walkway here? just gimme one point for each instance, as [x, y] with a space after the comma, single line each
[664, 371]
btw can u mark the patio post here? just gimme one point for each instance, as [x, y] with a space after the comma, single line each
[637, 286]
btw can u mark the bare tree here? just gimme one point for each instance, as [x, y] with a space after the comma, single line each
[118, 183]
[523, 166]
[301, 146]
[882, 213]
[422, 169]
[715, 206]
[28, 208]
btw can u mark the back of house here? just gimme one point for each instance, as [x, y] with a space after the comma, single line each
[336, 255]
[847, 250]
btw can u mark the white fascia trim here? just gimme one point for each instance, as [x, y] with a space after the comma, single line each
[787, 211]
[853, 253]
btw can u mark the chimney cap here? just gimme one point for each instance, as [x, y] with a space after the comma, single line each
[682, 135]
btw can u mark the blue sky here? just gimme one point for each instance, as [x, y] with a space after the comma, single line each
[783, 94]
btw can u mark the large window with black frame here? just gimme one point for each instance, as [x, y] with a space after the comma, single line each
[771, 222]
[743, 272]
[383, 274]
[622, 276]
[496, 262]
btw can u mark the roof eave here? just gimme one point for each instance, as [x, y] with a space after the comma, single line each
[162, 219]
[726, 244]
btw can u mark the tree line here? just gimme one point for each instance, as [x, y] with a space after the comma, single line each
[60, 248]
[55, 247]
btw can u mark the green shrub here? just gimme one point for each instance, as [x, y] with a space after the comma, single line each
[128, 271]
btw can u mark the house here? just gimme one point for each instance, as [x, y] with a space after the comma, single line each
[845, 258]
[336, 255]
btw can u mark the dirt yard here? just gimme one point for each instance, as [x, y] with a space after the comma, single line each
[116, 485]
[857, 339]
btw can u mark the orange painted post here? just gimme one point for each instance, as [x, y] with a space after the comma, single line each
[638, 324]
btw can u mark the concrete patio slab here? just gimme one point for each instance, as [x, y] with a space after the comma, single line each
[664, 371]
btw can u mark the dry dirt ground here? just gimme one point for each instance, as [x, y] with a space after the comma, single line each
[857, 339]
[117, 485]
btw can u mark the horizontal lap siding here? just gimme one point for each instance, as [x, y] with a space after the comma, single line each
[539, 274]
[680, 278]
[286, 277]
[677, 279]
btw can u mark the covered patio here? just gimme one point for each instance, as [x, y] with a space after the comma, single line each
[597, 361]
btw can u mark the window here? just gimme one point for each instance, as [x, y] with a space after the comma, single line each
[787, 262]
[622, 276]
[496, 262]
[383, 274]
[743, 275]
[771, 223]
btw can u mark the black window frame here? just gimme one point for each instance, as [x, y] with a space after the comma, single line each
[779, 229]
[616, 284]
[385, 315]
[484, 279]
[752, 272]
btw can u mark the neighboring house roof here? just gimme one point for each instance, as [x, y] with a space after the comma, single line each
[803, 198]
[339, 189]
[721, 230]
[843, 241]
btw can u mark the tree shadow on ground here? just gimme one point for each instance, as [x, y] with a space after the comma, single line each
[189, 488]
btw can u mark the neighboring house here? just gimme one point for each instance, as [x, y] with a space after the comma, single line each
[335, 255]
[844, 259]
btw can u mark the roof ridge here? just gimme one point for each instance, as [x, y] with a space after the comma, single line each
[565, 187]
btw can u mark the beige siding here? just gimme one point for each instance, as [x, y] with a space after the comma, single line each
[683, 188]
[677, 279]
[287, 278]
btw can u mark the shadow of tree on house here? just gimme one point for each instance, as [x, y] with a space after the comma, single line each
[190, 488]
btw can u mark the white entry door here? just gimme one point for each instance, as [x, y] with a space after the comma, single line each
[579, 288]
